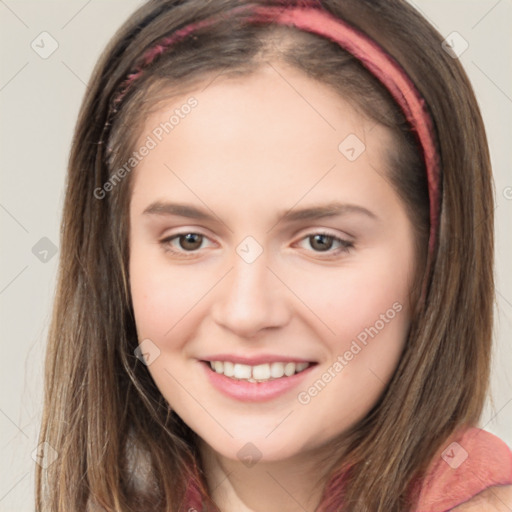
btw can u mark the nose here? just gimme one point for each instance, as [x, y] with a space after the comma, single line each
[250, 298]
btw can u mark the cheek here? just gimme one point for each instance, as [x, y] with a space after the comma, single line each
[368, 312]
[370, 333]
[351, 301]
[158, 295]
[151, 298]
[380, 308]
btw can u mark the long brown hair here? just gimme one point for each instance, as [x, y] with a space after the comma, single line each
[119, 446]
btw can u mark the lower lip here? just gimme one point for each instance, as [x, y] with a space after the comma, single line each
[254, 391]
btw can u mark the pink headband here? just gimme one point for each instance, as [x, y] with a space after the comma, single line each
[316, 20]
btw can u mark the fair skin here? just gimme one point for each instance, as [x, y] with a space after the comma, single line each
[252, 149]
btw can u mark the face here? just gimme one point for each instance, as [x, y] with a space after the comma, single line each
[253, 270]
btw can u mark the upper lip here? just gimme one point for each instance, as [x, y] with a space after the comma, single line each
[256, 360]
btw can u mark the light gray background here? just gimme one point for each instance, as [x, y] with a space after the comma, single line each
[39, 102]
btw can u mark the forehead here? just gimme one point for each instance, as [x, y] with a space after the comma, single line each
[274, 94]
[274, 126]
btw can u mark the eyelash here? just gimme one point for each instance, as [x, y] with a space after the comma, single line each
[346, 246]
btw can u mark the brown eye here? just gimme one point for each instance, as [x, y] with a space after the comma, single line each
[326, 243]
[191, 241]
[321, 242]
[187, 242]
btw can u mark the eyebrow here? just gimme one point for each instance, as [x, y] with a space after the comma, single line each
[313, 212]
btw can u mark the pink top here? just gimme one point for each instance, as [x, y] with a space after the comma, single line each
[470, 462]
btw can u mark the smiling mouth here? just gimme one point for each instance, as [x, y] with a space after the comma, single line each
[258, 373]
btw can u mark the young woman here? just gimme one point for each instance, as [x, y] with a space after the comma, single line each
[276, 276]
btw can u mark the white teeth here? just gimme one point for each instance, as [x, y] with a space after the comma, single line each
[242, 371]
[261, 372]
[229, 369]
[276, 370]
[258, 373]
[289, 369]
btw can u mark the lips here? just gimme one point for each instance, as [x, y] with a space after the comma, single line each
[254, 391]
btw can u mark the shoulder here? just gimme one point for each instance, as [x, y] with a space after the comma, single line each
[473, 469]
[497, 498]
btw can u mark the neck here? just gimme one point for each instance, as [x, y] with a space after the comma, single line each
[291, 485]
